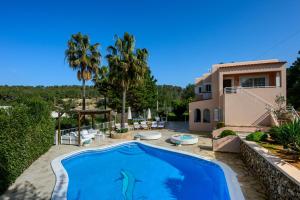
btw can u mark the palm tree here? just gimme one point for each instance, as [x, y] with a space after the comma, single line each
[126, 66]
[83, 57]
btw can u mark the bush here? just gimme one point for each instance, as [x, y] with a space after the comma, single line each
[274, 134]
[257, 136]
[67, 122]
[226, 133]
[288, 135]
[122, 130]
[173, 117]
[220, 125]
[27, 131]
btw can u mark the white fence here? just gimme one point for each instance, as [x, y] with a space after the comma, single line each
[67, 135]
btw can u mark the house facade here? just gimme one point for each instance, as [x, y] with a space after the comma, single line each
[238, 94]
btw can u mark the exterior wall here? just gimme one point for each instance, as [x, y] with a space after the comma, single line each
[196, 126]
[210, 104]
[281, 180]
[243, 109]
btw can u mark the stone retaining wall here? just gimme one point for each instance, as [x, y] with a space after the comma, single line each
[280, 178]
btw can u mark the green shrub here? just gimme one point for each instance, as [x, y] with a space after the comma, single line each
[122, 130]
[226, 133]
[257, 136]
[27, 131]
[220, 125]
[288, 135]
[66, 123]
[274, 134]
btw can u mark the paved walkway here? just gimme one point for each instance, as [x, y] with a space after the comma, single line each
[37, 182]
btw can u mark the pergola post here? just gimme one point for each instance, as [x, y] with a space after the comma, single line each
[109, 123]
[58, 131]
[93, 121]
[59, 127]
[79, 137]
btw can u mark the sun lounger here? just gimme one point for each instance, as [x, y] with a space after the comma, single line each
[86, 134]
[126, 125]
[161, 124]
[93, 132]
[136, 125]
[154, 124]
[144, 125]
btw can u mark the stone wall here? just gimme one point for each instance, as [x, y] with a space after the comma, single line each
[280, 179]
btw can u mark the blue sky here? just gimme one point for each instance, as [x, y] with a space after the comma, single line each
[184, 38]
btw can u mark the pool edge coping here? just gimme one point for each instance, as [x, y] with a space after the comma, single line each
[62, 180]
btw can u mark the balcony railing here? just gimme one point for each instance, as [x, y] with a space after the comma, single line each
[203, 96]
[230, 90]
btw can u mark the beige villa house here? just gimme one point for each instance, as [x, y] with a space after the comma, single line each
[238, 93]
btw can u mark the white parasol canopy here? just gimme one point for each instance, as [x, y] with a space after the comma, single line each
[149, 114]
[129, 113]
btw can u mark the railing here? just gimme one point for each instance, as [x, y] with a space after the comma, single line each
[230, 90]
[292, 110]
[100, 126]
[204, 96]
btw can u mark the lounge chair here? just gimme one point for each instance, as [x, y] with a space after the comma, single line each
[154, 124]
[86, 134]
[161, 124]
[144, 125]
[72, 138]
[126, 125]
[136, 125]
[93, 132]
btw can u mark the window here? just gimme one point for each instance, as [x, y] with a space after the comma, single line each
[199, 89]
[197, 115]
[216, 115]
[253, 82]
[206, 116]
[208, 88]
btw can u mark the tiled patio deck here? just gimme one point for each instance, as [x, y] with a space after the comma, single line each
[38, 180]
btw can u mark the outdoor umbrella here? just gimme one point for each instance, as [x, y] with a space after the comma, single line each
[149, 114]
[129, 113]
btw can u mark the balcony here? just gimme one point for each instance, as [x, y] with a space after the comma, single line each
[234, 90]
[203, 96]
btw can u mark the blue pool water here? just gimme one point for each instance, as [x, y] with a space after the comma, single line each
[186, 137]
[140, 172]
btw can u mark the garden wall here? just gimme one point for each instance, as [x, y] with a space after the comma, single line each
[281, 179]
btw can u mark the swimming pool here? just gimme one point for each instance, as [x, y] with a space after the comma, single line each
[136, 170]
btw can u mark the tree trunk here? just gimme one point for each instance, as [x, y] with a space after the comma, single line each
[105, 117]
[58, 131]
[83, 94]
[123, 109]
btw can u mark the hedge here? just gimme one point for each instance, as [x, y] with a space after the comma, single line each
[257, 136]
[27, 132]
[227, 133]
